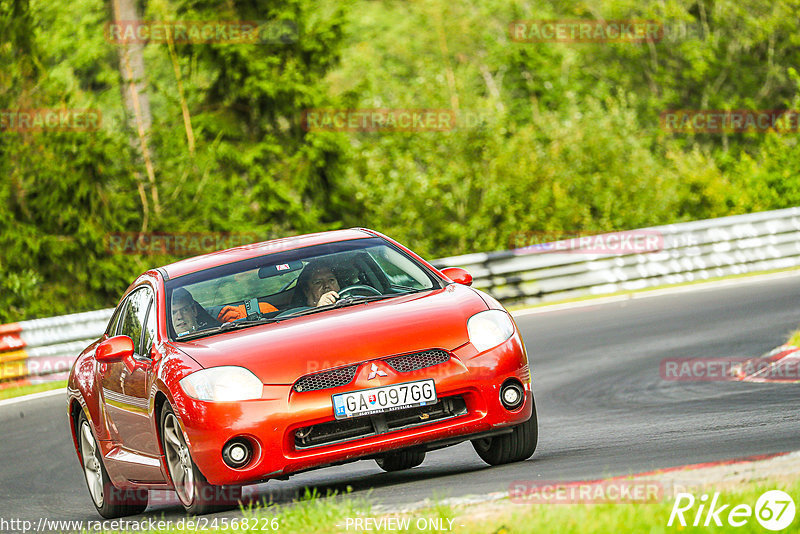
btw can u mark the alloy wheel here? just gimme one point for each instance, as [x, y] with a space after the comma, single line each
[179, 461]
[91, 464]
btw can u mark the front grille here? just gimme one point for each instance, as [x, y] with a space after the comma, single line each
[361, 427]
[420, 360]
[327, 379]
[342, 376]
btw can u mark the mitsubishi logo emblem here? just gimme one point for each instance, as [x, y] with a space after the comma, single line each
[374, 371]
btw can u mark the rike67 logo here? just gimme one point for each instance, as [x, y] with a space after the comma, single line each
[774, 510]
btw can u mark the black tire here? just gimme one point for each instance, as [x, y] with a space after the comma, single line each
[194, 492]
[109, 501]
[400, 460]
[517, 446]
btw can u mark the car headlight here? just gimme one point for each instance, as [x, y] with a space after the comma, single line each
[222, 384]
[489, 328]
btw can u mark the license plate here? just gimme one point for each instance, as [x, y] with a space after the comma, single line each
[384, 399]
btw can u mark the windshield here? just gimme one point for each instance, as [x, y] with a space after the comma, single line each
[283, 285]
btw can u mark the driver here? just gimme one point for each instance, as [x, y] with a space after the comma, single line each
[187, 314]
[319, 284]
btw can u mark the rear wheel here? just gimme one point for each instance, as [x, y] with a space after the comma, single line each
[109, 501]
[196, 495]
[400, 460]
[517, 446]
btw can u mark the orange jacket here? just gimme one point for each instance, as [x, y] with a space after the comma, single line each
[231, 313]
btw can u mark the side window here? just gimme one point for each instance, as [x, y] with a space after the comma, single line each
[150, 329]
[133, 318]
[114, 322]
[399, 269]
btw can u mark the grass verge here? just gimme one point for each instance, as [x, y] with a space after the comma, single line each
[354, 514]
[794, 339]
[18, 391]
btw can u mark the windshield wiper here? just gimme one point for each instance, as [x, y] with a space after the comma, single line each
[358, 299]
[342, 303]
[225, 327]
[408, 288]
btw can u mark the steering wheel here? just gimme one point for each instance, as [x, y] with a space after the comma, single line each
[346, 292]
[343, 293]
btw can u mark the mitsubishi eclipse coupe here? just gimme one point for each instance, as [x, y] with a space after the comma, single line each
[261, 361]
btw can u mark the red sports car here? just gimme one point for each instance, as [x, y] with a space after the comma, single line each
[257, 362]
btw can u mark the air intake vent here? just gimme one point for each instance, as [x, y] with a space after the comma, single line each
[362, 427]
[326, 380]
[420, 360]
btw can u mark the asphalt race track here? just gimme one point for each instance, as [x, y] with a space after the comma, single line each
[603, 408]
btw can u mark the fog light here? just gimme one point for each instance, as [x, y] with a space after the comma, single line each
[237, 453]
[512, 395]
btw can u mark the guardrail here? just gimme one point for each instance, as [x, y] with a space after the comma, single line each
[44, 349]
[689, 251]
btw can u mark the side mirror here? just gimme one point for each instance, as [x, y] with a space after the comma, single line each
[458, 275]
[114, 349]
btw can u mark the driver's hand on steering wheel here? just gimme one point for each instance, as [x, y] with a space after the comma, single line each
[328, 298]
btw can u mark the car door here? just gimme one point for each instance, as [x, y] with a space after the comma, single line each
[125, 383]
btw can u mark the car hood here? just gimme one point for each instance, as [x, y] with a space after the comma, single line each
[280, 353]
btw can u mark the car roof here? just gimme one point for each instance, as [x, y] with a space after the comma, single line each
[244, 252]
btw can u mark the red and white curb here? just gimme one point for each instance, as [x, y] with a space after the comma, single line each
[781, 365]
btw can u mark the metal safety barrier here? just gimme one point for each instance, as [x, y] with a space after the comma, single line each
[686, 252]
[44, 349]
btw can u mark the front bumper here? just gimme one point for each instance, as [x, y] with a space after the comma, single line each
[270, 423]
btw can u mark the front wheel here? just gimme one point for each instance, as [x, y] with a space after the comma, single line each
[109, 501]
[517, 446]
[196, 495]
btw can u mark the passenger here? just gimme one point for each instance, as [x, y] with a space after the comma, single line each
[187, 314]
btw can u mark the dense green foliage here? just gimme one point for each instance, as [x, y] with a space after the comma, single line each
[551, 136]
